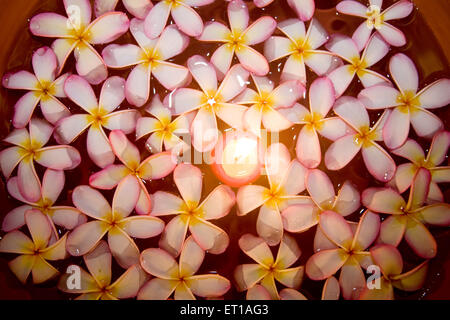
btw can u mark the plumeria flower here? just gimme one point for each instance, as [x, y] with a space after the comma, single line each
[379, 163]
[301, 47]
[315, 120]
[347, 253]
[42, 86]
[113, 221]
[77, 33]
[99, 114]
[301, 217]
[184, 16]
[149, 58]
[265, 103]
[96, 284]
[34, 252]
[210, 101]
[267, 269]
[408, 105]
[390, 262]
[259, 292]
[376, 19]
[138, 8]
[286, 180]
[179, 278]
[347, 50]
[154, 167]
[408, 219]
[162, 129]
[51, 188]
[28, 148]
[192, 214]
[412, 151]
[239, 40]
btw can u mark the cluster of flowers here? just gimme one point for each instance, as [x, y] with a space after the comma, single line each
[155, 273]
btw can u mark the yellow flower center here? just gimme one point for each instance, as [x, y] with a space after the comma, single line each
[211, 100]
[374, 17]
[313, 121]
[151, 57]
[364, 137]
[273, 197]
[264, 100]
[357, 65]
[236, 40]
[97, 117]
[408, 101]
[45, 88]
[300, 48]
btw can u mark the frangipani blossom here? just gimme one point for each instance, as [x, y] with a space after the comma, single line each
[96, 284]
[34, 252]
[375, 18]
[184, 16]
[390, 262]
[258, 292]
[99, 114]
[378, 162]
[301, 217]
[77, 33]
[286, 180]
[149, 58]
[113, 221]
[154, 167]
[314, 120]
[301, 47]
[347, 50]
[408, 105]
[52, 185]
[42, 86]
[412, 151]
[408, 219]
[265, 103]
[192, 214]
[239, 40]
[267, 269]
[346, 251]
[179, 278]
[210, 101]
[163, 131]
[138, 8]
[28, 148]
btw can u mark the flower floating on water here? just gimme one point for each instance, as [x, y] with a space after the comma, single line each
[115, 222]
[162, 130]
[43, 88]
[77, 33]
[186, 19]
[192, 214]
[408, 105]
[390, 261]
[154, 167]
[210, 102]
[34, 252]
[179, 278]
[412, 151]
[258, 292]
[378, 162]
[301, 217]
[150, 57]
[408, 218]
[267, 269]
[99, 114]
[96, 284]
[28, 148]
[266, 102]
[358, 65]
[301, 46]
[346, 251]
[376, 19]
[52, 186]
[286, 180]
[314, 120]
[239, 40]
[138, 8]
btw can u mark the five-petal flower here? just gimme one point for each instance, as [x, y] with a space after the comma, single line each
[179, 278]
[77, 33]
[42, 86]
[239, 39]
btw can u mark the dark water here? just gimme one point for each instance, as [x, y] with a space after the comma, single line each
[422, 47]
